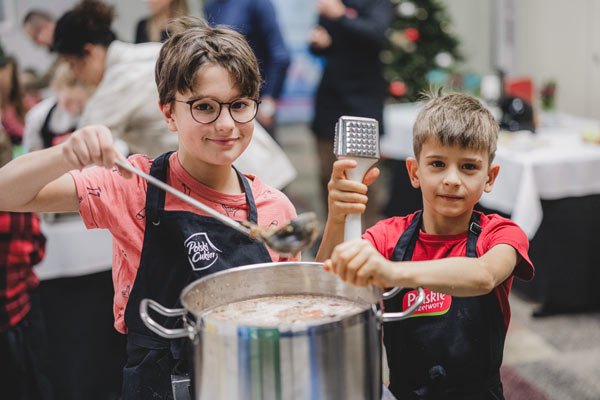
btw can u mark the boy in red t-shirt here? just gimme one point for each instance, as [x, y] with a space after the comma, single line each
[208, 82]
[452, 346]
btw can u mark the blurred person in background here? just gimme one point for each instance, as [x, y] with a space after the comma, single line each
[39, 26]
[74, 357]
[257, 21]
[31, 94]
[12, 107]
[154, 27]
[126, 96]
[350, 35]
[23, 340]
[52, 121]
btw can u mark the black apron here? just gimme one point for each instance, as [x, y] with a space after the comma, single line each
[179, 247]
[49, 137]
[454, 355]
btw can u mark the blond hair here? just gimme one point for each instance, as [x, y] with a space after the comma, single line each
[63, 77]
[192, 45]
[177, 8]
[456, 119]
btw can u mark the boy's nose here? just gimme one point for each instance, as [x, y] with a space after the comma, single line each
[225, 123]
[451, 177]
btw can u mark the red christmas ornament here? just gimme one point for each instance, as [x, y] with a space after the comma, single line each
[411, 34]
[397, 88]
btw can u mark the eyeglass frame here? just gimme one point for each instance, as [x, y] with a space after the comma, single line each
[191, 102]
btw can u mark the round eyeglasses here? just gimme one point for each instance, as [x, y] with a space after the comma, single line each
[206, 111]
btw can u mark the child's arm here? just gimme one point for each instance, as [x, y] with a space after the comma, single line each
[38, 181]
[345, 197]
[358, 262]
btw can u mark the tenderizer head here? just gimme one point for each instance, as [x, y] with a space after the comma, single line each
[356, 137]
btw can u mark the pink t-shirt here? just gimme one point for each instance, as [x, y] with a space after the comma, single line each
[109, 201]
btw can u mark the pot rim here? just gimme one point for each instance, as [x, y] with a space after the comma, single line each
[281, 264]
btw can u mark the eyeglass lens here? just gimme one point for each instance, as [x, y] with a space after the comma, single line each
[208, 110]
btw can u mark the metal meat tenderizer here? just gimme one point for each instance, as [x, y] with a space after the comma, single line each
[356, 138]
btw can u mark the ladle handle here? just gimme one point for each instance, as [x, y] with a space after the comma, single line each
[160, 184]
[158, 328]
[397, 316]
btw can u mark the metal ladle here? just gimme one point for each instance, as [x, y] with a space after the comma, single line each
[287, 240]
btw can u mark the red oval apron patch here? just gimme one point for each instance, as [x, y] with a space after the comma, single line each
[434, 304]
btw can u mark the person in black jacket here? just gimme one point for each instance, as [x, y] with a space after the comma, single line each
[154, 27]
[350, 35]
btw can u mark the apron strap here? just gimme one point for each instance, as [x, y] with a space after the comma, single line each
[405, 246]
[252, 211]
[155, 197]
[473, 235]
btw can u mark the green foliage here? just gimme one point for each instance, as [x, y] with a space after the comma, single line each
[409, 58]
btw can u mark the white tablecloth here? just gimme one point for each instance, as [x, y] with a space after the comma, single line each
[551, 164]
[72, 250]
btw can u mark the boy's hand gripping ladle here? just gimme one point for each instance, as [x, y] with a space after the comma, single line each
[356, 138]
[287, 240]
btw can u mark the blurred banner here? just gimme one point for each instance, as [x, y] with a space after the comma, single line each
[296, 20]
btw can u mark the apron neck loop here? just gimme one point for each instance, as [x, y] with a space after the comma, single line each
[155, 198]
[406, 244]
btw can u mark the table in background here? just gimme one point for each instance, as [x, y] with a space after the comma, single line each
[549, 184]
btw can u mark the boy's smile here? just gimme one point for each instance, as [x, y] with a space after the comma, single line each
[225, 142]
[452, 179]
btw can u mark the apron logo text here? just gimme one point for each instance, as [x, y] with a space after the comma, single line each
[201, 253]
[434, 304]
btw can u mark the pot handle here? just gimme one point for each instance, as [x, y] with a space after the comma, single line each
[158, 328]
[397, 316]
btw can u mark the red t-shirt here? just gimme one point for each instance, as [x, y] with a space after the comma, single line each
[109, 201]
[495, 230]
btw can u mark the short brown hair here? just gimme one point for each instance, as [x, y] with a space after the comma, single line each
[456, 119]
[192, 45]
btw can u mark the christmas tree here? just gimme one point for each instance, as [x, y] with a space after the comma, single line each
[421, 50]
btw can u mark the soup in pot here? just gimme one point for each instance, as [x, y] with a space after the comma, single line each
[288, 309]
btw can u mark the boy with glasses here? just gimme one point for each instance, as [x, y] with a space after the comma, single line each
[161, 243]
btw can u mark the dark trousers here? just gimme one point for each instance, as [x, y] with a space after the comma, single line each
[23, 361]
[85, 351]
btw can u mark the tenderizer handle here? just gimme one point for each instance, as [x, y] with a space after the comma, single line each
[353, 225]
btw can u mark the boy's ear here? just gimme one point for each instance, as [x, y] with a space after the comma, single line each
[168, 115]
[412, 167]
[491, 177]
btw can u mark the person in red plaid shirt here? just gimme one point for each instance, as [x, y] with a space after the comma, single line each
[22, 332]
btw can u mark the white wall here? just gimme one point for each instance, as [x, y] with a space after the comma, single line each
[560, 40]
[554, 39]
[471, 21]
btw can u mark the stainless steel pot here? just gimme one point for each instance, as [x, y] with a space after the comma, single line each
[336, 359]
